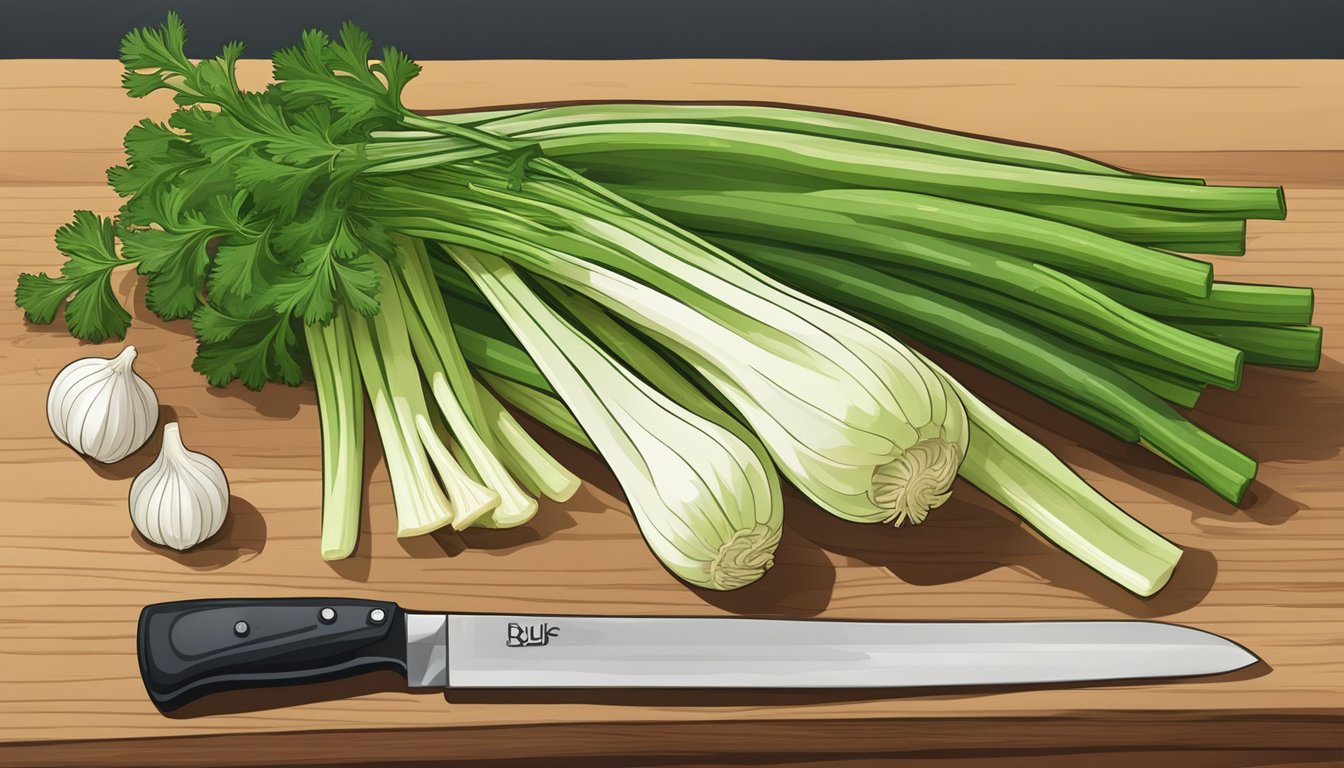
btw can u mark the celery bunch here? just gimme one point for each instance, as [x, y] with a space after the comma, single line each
[1055, 272]
[702, 294]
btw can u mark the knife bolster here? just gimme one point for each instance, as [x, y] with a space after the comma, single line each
[192, 648]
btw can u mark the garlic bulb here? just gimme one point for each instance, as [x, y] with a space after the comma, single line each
[180, 500]
[101, 408]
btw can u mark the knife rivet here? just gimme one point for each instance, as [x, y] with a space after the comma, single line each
[377, 616]
[326, 615]
[241, 629]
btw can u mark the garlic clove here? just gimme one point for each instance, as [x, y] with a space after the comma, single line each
[182, 498]
[102, 408]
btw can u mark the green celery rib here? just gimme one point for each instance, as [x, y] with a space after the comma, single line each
[830, 163]
[1007, 465]
[1104, 419]
[532, 464]
[451, 387]
[477, 117]
[1182, 392]
[1026, 477]
[1171, 230]
[1296, 347]
[1227, 303]
[1072, 249]
[340, 410]
[477, 345]
[831, 229]
[928, 316]
[1175, 230]
[1178, 391]
[541, 405]
[1223, 248]
[867, 130]
[1144, 224]
[1122, 352]
[414, 488]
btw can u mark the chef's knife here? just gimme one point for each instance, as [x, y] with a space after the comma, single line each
[194, 647]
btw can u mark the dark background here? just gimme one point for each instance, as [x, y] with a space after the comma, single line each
[785, 29]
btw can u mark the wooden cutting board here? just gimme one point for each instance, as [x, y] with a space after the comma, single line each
[73, 576]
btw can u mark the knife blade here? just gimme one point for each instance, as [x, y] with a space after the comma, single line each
[191, 648]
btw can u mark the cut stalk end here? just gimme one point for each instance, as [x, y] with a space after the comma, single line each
[1280, 210]
[337, 553]
[744, 558]
[917, 481]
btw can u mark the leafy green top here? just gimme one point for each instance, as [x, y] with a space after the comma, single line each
[93, 312]
[242, 210]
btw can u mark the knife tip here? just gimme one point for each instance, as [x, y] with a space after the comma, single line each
[1221, 655]
[1241, 657]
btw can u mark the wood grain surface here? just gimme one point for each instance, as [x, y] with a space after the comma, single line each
[73, 575]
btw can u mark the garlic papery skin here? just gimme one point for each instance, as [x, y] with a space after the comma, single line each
[180, 500]
[101, 408]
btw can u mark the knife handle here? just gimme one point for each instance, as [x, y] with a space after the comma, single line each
[193, 647]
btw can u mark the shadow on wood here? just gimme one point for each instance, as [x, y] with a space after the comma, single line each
[444, 542]
[280, 697]
[242, 536]
[277, 401]
[799, 584]
[1280, 415]
[551, 518]
[972, 535]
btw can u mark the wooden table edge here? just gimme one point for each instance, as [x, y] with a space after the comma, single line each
[1092, 731]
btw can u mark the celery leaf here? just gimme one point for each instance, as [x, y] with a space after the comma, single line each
[255, 350]
[93, 312]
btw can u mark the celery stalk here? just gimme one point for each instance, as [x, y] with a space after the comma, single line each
[523, 124]
[540, 405]
[1068, 248]
[827, 163]
[340, 410]
[421, 505]
[1280, 346]
[1242, 303]
[1026, 477]
[1183, 231]
[536, 468]
[1172, 230]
